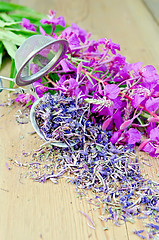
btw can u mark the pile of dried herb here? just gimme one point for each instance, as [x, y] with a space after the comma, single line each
[90, 161]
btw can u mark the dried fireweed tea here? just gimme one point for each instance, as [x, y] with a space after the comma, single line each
[91, 161]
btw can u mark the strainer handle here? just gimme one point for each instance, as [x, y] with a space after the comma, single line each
[7, 78]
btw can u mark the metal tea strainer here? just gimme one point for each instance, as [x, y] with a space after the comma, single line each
[42, 52]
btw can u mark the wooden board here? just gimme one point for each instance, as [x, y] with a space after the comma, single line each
[153, 7]
[47, 211]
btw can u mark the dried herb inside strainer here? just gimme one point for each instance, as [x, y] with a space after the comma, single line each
[65, 119]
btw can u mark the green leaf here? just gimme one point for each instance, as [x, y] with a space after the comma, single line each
[54, 77]
[10, 48]
[12, 37]
[13, 72]
[59, 29]
[5, 24]
[17, 12]
[29, 103]
[6, 17]
[89, 78]
[9, 7]
[1, 53]
[29, 15]
[24, 32]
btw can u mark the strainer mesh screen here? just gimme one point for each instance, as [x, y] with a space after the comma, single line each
[31, 49]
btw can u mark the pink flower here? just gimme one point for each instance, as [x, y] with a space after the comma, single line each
[25, 98]
[79, 32]
[42, 31]
[52, 20]
[151, 145]
[154, 135]
[69, 86]
[132, 136]
[112, 46]
[28, 25]
[152, 104]
[137, 100]
[111, 91]
[115, 137]
[40, 89]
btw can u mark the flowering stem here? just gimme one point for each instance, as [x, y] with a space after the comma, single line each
[91, 75]
[130, 79]
[124, 95]
[49, 80]
[145, 109]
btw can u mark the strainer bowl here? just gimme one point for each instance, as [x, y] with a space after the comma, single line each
[44, 52]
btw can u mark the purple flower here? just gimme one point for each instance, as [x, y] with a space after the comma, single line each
[154, 135]
[52, 20]
[115, 137]
[93, 46]
[149, 148]
[152, 104]
[136, 69]
[69, 86]
[67, 65]
[151, 145]
[89, 86]
[150, 77]
[133, 136]
[110, 45]
[28, 25]
[73, 40]
[40, 89]
[116, 63]
[117, 119]
[25, 98]
[137, 100]
[122, 74]
[80, 33]
[64, 65]
[111, 91]
[150, 127]
[73, 87]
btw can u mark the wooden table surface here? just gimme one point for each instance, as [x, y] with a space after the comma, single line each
[33, 211]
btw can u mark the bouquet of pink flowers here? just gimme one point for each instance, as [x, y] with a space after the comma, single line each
[123, 97]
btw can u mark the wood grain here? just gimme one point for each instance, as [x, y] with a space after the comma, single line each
[47, 211]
